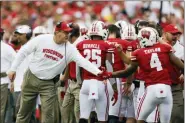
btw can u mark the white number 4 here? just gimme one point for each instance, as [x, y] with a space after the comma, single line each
[154, 62]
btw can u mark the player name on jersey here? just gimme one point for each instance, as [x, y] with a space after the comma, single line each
[152, 50]
[91, 46]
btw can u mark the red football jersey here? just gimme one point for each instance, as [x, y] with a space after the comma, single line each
[154, 62]
[134, 45]
[95, 51]
[117, 62]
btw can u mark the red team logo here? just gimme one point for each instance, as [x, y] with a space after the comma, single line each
[145, 34]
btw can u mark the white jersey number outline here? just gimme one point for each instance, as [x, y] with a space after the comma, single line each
[155, 62]
[94, 54]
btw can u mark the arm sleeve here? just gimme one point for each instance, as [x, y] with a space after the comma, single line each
[12, 54]
[132, 46]
[110, 48]
[82, 62]
[26, 50]
[169, 48]
[134, 56]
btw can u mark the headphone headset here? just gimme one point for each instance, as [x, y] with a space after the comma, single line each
[58, 25]
[29, 35]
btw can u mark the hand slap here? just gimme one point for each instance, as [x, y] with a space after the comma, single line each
[104, 74]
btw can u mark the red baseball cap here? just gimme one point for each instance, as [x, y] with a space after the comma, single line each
[171, 29]
[63, 26]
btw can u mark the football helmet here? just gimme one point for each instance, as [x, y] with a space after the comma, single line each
[129, 32]
[100, 29]
[84, 34]
[39, 30]
[121, 24]
[148, 36]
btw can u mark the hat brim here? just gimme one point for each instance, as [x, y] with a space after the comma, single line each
[68, 30]
[17, 32]
[176, 31]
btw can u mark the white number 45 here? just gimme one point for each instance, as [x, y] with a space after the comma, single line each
[154, 62]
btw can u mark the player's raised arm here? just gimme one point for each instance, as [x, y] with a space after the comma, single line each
[122, 55]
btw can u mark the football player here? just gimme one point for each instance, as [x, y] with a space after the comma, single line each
[154, 60]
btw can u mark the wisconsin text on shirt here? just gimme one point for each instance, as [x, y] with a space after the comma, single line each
[53, 52]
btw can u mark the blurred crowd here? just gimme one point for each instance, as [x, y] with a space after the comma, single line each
[35, 13]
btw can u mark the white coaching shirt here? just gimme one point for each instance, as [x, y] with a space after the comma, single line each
[7, 57]
[50, 59]
[179, 50]
[20, 73]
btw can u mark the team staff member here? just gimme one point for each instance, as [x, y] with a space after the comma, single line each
[170, 33]
[49, 60]
[70, 108]
[39, 30]
[23, 34]
[7, 57]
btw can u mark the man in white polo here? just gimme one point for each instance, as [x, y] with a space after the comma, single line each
[23, 34]
[51, 54]
[7, 57]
